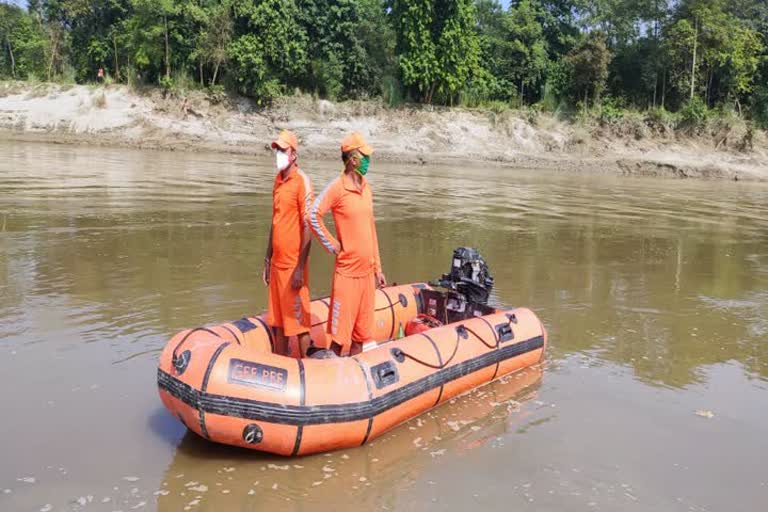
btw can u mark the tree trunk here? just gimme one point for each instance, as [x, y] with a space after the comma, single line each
[430, 93]
[202, 84]
[215, 73]
[167, 50]
[663, 87]
[117, 66]
[695, 47]
[13, 60]
[53, 56]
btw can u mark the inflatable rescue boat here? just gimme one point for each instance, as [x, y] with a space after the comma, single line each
[225, 383]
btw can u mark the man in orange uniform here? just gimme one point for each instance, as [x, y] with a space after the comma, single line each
[357, 271]
[285, 266]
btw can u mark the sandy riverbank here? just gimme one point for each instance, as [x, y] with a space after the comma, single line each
[115, 115]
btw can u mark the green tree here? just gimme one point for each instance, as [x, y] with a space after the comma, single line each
[438, 48]
[514, 47]
[713, 53]
[558, 17]
[10, 17]
[339, 62]
[589, 62]
[150, 34]
[525, 52]
[269, 51]
[214, 35]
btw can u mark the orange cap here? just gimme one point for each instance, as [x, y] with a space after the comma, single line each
[285, 140]
[355, 141]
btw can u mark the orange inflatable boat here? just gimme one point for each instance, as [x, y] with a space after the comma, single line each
[225, 383]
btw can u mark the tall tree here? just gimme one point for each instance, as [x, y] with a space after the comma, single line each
[714, 54]
[438, 48]
[339, 62]
[589, 67]
[269, 51]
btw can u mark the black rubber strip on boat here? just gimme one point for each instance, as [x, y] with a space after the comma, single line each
[391, 310]
[370, 397]
[244, 325]
[269, 333]
[190, 333]
[498, 344]
[204, 387]
[327, 304]
[230, 331]
[336, 413]
[439, 362]
[302, 402]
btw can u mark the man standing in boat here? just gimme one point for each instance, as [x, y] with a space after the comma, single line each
[357, 271]
[285, 265]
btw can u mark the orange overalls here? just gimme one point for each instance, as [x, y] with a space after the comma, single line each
[351, 312]
[291, 200]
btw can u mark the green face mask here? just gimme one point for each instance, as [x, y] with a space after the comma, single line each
[363, 167]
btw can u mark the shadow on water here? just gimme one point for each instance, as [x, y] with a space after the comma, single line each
[166, 427]
[230, 478]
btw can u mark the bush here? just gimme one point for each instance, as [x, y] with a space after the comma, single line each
[392, 91]
[611, 111]
[660, 120]
[532, 114]
[182, 81]
[166, 83]
[67, 75]
[100, 100]
[131, 77]
[216, 94]
[328, 75]
[694, 115]
[759, 106]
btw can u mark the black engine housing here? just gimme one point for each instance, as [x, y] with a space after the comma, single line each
[469, 276]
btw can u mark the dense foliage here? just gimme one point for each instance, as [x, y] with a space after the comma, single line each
[568, 54]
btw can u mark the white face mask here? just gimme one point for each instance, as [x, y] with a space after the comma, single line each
[281, 160]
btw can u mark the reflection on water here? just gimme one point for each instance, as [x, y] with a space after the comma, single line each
[659, 286]
[226, 478]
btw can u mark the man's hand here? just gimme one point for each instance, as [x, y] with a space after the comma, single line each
[265, 273]
[337, 248]
[381, 280]
[298, 278]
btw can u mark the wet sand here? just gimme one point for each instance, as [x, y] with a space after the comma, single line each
[655, 294]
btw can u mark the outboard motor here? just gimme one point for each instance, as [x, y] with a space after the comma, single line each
[469, 276]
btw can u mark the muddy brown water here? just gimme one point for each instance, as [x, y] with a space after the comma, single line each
[655, 293]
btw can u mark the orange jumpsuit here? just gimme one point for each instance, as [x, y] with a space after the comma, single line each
[351, 313]
[291, 200]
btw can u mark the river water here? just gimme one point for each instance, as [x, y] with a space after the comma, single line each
[655, 293]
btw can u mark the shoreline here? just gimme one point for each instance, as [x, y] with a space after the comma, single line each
[114, 116]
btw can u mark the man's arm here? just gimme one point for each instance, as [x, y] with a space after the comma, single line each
[320, 207]
[304, 200]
